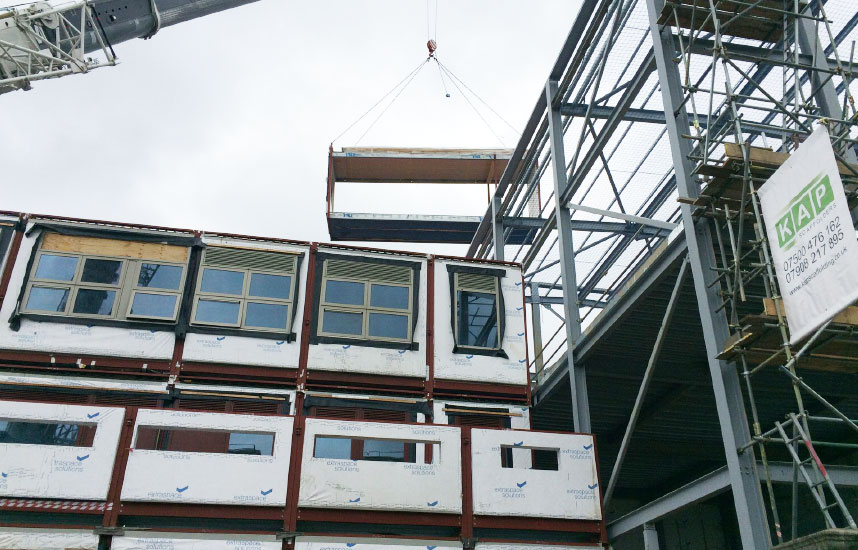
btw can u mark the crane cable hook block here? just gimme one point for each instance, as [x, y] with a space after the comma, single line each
[432, 45]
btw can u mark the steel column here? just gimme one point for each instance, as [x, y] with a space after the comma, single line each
[536, 316]
[650, 536]
[744, 481]
[825, 92]
[577, 376]
[497, 225]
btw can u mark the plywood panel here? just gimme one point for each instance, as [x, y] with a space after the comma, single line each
[112, 247]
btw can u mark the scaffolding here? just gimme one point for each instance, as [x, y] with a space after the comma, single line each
[660, 114]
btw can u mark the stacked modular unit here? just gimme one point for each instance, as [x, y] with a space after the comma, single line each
[168, 388]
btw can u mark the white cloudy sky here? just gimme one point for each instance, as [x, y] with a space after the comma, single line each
[224, 123]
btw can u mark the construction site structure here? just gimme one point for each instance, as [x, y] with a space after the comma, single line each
[658, 124]
[171, 388]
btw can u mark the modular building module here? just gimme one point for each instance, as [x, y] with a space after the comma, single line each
[166, 388]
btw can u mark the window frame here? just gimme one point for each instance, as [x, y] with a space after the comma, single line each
[457, 288]
[124, 289]
[245, 297]
[366, 309]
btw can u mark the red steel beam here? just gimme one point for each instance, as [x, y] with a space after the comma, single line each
[14, 246]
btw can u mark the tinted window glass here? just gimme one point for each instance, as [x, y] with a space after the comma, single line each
[220, 281]
[160, 276]
[251, 443]
[48, 299]
[94, 302]
[210, 311]
[264, 285]
[266, 315]
[477, 319]
[339, 322]
[154, 305]
[389, 296]
[333, 447]
[56, 268]
[385, 325]
[344, 292]
[46, 433]
[105, 272]
[387, 451]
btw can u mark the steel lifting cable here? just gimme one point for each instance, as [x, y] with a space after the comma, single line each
[392, 101]
[410, 75]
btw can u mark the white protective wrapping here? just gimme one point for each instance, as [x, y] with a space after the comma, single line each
[481, 368]
[368, 360]
[248, 350]
[326, 543]
[136, 386]
[50, 471]
[518, 420]
[571, 492]
[361, 484]
[45, 539]
[75, 339]
[177, 542]
[210, 478]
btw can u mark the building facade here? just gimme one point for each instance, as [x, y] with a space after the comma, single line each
[168, 388]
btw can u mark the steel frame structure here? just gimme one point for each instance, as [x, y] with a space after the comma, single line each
[647, 101]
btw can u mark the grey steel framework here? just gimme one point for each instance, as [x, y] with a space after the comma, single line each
[668, 114]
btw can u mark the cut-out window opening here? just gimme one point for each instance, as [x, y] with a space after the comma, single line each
[540, 458]
[376, 450]
[247, 289]
[101, 287]
[189, 440]
[58, 434]
[365, 300]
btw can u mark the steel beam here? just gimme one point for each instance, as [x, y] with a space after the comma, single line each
[708, 486]
[647, 378]
[577, 376]
[741, 468]
[593, 226]
[621, 216]
[558, 300]
[573, 39]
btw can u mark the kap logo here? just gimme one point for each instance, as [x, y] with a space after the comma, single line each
[803, 208]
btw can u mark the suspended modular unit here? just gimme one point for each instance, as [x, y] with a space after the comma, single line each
[379, 165]
[173, 388]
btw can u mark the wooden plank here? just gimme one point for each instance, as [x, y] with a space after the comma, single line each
[97, 246]
[848, 316]
[754, 24]
[769, 158]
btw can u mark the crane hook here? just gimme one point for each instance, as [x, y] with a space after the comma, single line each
[432, 45]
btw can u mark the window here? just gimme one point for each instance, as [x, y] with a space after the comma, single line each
[94, 286]
[204, 441]
[540, 459]
[46, 433]
[367, 301]
[477, 310]
[373, 450]
[249, 289]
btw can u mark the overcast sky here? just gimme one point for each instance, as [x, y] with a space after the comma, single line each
[223, 123]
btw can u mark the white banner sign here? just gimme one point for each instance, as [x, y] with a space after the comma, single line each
[811, 236]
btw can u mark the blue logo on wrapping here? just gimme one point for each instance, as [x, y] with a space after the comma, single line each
[82, 458]
[588, 447]
[182, 489]
[522, 484]
[220, 338]
[432, 504]
[266, 493]
[355, 500]
[91, 416]
[591, 487]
